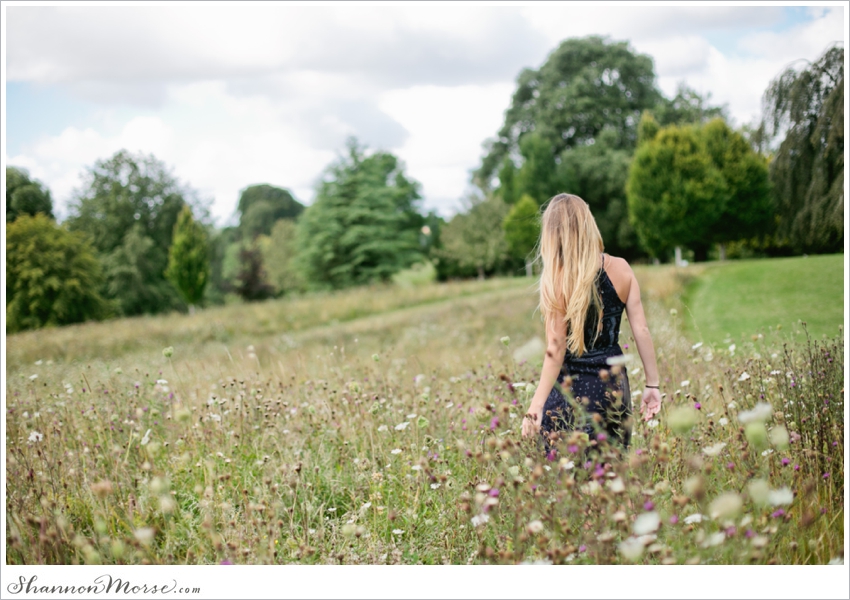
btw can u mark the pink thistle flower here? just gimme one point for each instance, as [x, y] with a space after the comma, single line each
[730, 465]
[778, 513]
[786, 462]
[674, 519]
[493, 493]
[796, 467]
[572, 449]
[648, 505]
[582, 548]
[697, 405]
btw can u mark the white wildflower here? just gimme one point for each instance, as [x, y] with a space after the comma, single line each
[697, 345]
[162, 381]
[383, 428]
[398, 531]
[685, 383]
[144, 535]
[616, 485]
[416, 468]
[411, 416]
[395, 451]
[714, 450]
[759, 491]
[435, 486]
[33, 377]
[402, 426]
[646, 523]
[744, 376]
[146, 438]
[480, 519]
[631, 549]
[715, 539]
[767, 452]
[723, 421]
[35, 437]
[759, 413]
[732, 348]
[695, 518]
[781, 497]
[726, 506]
[535, 526]
[215, 417]
[836, 561]
[653, 423]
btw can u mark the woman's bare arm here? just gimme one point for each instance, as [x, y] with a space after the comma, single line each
[556, 346]
[651, 398]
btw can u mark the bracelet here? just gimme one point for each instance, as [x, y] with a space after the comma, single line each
[655, 387]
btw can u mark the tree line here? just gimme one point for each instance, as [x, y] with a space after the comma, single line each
[658, 173]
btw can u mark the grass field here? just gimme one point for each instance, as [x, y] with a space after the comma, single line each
[737, 299]
[382, 426]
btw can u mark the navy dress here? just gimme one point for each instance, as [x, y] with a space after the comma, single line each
[593, 385]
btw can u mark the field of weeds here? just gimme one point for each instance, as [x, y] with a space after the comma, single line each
[382, 426]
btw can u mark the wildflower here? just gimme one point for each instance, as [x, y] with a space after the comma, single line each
[759, 491]
[744, 376]
[535, 527]
[168, 352]
[730, 465]
[225, 562]
[781, 497]
[648, 505]
[714, 450]
[435, 486]
[695, 518]
[697, 345]
[779, 437]
[756, 435]
[35, 437]
[566, 465]
[778, 513]
[796, 467]
[726, 506]
[761, 412]
[416, 468]
[505, 340]
[826, 475]
[653, 423]
[674, 519]
[723, 421]
[144, 535]
[383, 428]
[673, 312]
[648, 522]
[682, 419]
[398, 531]
[572, 449]
[146, 438]
[617, 486]
[631, 548]
[402, 426]
[480, 519]
[395, 451]
[582, 548]
[33, 377]
[786, 462]
[715, 539]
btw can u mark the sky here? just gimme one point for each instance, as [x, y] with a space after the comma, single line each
[229, 95]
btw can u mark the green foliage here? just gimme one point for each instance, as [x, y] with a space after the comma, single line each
[475, 239]
[128, 207]
[278, 252]
[537, 177]
[252, 280]
[52, 275]
[648, 128]
[675, 193]
[586, 85]
[749, 209]
[219, 285]
[260, 206]
[188, 258]
[597, 173]
[522, 228]
[363, 226]
[808, 170]
[25, 196]
[688, 107]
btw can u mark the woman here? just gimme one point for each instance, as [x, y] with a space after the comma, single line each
[582, 296]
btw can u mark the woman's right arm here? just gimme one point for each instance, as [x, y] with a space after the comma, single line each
[651, 398]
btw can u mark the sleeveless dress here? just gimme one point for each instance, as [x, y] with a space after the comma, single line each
[593, 385]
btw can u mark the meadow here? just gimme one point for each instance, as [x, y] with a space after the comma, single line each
[381, 425]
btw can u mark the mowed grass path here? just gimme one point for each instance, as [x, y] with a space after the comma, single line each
[742, 298]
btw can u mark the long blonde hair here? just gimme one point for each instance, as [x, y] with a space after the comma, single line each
[569, 249]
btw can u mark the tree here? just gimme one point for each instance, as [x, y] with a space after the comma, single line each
[586, 85]
[748, 212]
[261, 206]
[688, 107]
[188, 259]
[129, 206]
[252, 280]
[676, 195]
[278, 253]
[363, 225]
[475, 239]
[52, 276]
[522, 230]
[25, 196]
[807, 171]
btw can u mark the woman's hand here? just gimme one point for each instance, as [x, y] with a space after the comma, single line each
[650, 403]
[531, 422]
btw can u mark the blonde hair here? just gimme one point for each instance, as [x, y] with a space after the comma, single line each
[569, 249]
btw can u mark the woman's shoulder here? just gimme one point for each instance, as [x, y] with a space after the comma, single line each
[620, 273]
[616, 264]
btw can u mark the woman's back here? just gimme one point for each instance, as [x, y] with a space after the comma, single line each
[609, 276]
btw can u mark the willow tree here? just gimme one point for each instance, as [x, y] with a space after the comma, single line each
[807, 172]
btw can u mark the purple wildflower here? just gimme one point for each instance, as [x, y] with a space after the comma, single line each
[648, 505]
[493, 493]
[674, 519]
[697, 405]
[582, 548]
[572, 449]
[786, 462]
[778, 513]
[730, 465]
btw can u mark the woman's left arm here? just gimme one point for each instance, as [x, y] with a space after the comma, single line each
[556, 346]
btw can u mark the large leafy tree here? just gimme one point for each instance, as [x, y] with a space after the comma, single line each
[675, 192]
[475, 239]
[363, 225]
[687, 107]
[807, 171]
[128, 206]
[52, 275]
[585, 86]
[25, 196]
[260, 206]
[188, 259]
[522, 230]
[279, 250]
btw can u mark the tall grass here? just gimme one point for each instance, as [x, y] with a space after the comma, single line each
[394, 438]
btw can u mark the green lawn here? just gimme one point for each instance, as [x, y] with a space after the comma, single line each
[743, 298]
